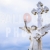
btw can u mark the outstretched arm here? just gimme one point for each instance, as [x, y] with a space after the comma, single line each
[44, 34]
[23, 28]
[25, 24]
[39, 36]
[27, 28]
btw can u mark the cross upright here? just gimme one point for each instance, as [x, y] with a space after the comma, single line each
[40, 11]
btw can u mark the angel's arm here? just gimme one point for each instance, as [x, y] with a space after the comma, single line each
[39, 36]
[28, 29]
[23, 28]
[25, 24]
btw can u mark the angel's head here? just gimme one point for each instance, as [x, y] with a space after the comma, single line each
[28, 28]
[33, 27]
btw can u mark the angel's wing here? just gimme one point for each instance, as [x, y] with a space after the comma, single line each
[23, 28]
[45, 28]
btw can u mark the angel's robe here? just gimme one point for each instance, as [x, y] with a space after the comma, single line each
[33, 42]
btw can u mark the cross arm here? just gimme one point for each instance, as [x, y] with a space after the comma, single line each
[39, 4]
[46, 9]
[34, 11]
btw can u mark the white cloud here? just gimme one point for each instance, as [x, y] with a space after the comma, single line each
[5, 2]
[20, 6]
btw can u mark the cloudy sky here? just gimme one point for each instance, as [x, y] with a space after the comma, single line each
[11, 18]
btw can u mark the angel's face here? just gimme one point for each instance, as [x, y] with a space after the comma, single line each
[33, 28]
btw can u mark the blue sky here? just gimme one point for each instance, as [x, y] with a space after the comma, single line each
[11, 17]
